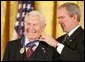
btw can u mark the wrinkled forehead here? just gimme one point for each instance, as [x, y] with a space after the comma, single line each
[35, 18]
[32, 18]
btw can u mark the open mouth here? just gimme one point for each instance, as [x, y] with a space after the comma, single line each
[31, 31]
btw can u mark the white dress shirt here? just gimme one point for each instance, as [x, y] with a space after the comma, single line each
[61, 46]
[27, 41]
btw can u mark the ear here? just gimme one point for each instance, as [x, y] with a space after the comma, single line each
[44, 26]
[74, 17]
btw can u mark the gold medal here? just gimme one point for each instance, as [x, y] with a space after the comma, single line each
[22, 50]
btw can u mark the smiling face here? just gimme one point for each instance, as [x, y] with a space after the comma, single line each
[33, 27]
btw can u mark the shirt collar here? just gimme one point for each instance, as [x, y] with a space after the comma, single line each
[27, 41]
[70, 33]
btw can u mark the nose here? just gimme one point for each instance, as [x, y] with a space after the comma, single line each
[31, 26]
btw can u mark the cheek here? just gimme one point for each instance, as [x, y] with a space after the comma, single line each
[26, 28]
[65, 20]
[68, 23]
[38, 29]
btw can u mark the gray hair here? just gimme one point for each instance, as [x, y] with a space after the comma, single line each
[72, 9]
[36, 13]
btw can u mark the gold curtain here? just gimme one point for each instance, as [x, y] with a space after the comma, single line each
[47, 8]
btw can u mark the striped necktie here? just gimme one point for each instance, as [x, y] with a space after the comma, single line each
[65, 39]
[30, 51]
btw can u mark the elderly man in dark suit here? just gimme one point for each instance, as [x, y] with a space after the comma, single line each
[28, 48]
[70, 46]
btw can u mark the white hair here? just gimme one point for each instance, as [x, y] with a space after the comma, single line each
[36, 13]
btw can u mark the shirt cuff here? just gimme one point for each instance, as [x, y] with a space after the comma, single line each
[60, 48]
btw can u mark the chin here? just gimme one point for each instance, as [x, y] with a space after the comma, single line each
[32, 36]
[64, 30]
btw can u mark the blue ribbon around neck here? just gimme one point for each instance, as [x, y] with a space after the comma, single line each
[32, 43]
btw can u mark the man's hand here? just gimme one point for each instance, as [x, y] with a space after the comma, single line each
[49, 40]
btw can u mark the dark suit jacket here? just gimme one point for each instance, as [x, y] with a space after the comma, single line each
[74, 50]
[12, 52]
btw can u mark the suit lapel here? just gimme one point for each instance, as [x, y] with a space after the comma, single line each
[39, 54]
[19, 56]
[73, 37]
[43, 52]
